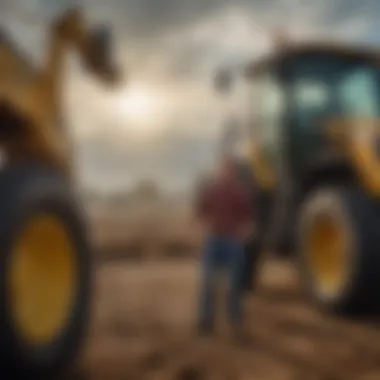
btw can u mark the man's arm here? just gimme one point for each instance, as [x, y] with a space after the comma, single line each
[246, 212]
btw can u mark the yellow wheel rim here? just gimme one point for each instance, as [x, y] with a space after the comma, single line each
[328, 254]
[43, 279]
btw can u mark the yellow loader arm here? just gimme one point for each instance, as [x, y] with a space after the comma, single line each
[30, 99]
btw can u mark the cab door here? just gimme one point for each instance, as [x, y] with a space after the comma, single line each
[268, 111]
[313, 101]
[267, 105]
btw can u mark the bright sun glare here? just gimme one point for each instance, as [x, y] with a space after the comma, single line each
[138, 106]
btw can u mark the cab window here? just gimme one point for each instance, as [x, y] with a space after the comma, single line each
[267, 105]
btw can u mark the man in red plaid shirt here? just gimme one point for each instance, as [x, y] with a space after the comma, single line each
[225, 207]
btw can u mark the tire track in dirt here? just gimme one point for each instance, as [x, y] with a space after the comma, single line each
[328, 346]
[255, 352]
[296, 335]
[287, 338]
[297, 345]
[303, 317]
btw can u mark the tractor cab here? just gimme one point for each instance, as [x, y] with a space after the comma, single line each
[315, 123]
[297, 93]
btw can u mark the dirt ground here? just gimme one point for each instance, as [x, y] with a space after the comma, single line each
[144, 319]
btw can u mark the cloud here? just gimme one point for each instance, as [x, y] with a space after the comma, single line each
[172, 47]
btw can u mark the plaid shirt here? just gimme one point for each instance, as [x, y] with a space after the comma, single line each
[225, 206]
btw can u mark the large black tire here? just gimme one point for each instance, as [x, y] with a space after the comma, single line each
[342, 278]
[29, 192]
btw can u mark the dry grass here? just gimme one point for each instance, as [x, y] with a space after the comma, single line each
[151, 232]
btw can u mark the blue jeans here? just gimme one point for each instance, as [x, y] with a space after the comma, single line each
[225, 253]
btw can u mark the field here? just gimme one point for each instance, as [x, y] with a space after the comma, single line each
[144, 313]
[146, 231]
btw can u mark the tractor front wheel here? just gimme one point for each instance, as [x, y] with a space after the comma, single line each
[338, 249]
[44, 273]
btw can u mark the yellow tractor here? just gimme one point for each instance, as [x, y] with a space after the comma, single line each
[315, 157]
[45, 263]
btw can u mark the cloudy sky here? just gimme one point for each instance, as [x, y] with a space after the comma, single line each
[164, 122]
